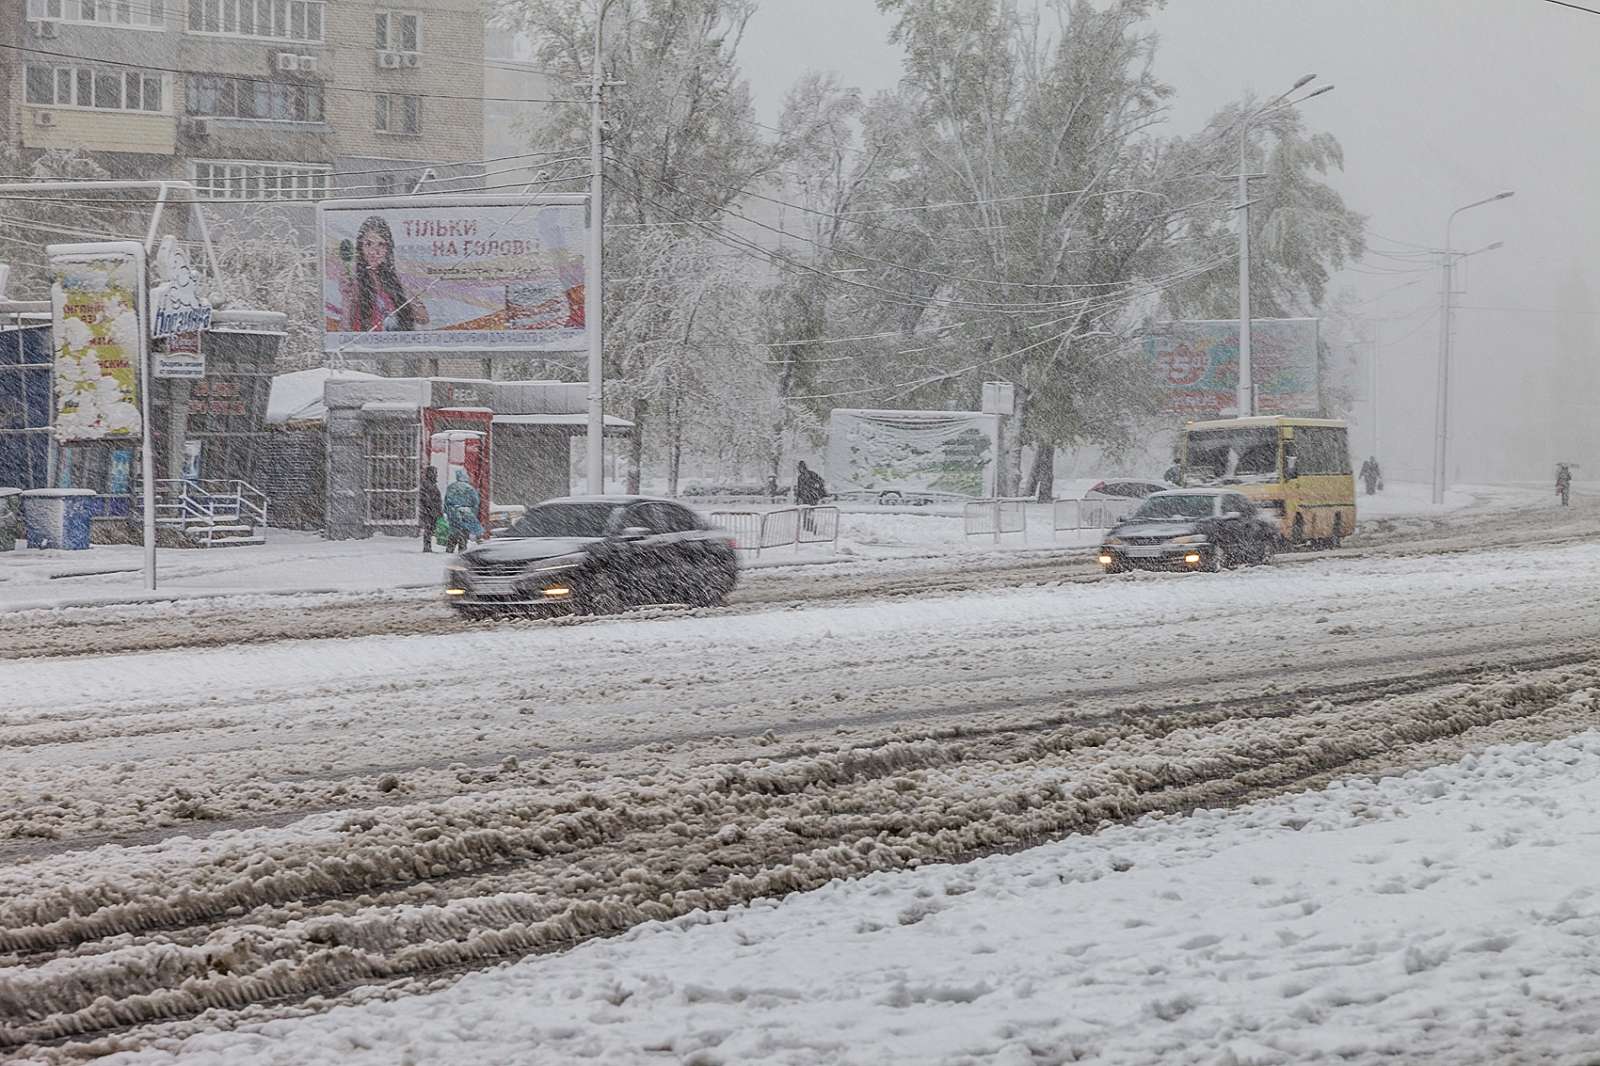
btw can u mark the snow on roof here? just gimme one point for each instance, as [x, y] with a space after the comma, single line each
[297, 397]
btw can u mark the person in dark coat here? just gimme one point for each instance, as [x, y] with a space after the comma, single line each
[1563, 482]
[429, 506]
[1372, 474]
[808, 487]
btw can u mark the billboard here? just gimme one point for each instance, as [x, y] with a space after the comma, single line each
[96, 320]
[912, 451]
[1196, 366]
[448, 274]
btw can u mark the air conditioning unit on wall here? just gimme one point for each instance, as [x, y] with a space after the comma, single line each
[410, 60]
[308, 64]
[47, 119]
[45, 28]
[389, 60]
[197, 127]
[286, 61]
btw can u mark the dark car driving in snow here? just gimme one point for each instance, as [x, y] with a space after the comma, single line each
[595, 555]
[1189, 529]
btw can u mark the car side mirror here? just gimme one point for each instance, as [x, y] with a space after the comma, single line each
[634, 533]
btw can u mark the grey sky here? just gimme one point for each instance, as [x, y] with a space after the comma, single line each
[1438, 103]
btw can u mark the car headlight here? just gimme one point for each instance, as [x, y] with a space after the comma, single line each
[1192, 538]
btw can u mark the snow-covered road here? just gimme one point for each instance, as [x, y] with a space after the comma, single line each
[289, 819]
[1443, 917]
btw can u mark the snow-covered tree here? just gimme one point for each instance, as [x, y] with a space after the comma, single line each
[266, 264]
[682, 146]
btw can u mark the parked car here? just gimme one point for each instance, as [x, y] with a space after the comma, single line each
[1189, 529]
[1124, 489]
[595, 555]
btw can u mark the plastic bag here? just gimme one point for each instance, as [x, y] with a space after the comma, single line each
[441, 531]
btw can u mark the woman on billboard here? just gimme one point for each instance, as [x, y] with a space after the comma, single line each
[374, 298]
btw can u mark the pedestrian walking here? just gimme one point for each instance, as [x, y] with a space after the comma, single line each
[1372, 475]
[461, 502]
[429, 506]
[809, 491]
[1563, 482]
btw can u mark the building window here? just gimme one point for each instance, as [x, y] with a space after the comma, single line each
[150, 14]
[398, 31]
[100, 88]
[282, 20]
[216, 96]
[399, 114]
[227, 179]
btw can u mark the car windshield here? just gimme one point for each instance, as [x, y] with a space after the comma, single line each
[1170, 508]
[564, 520]
[1221, 456]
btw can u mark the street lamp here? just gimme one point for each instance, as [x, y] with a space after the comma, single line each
[1246, 394]
[1441, 418]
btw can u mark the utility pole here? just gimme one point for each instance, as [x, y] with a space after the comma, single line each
[594, 282]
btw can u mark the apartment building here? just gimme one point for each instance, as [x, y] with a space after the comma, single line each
[252, 100]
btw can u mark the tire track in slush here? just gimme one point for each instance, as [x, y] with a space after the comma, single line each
[519, 873]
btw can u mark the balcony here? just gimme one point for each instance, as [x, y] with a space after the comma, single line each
[99, 131]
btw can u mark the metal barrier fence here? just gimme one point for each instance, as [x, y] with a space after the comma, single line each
[1090, 514]
[754, 531]
[995, 517]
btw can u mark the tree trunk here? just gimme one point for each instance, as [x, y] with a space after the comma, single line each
[1042, 476]
[641, 411]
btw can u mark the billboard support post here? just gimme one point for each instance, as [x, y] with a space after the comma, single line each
[147, 448]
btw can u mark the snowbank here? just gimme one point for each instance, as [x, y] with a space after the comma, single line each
[1446, 915]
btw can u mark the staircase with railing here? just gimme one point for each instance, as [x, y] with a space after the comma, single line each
[212, 513]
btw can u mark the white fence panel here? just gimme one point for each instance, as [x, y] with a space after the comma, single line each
[995, 517]
[745, 526]
[818, 525]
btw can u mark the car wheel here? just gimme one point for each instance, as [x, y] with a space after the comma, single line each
[1264, 554]
[1298, 536]
[1212, 562]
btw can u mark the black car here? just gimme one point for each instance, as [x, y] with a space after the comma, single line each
[1189, 529]
[595, 555]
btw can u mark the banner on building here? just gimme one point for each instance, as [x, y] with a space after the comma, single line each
[96, 320]
[448, 274]
[912, 451]
[1196, 366]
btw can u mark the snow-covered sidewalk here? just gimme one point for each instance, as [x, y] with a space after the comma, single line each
[1446, 916]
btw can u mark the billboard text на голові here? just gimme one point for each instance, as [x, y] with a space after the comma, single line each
[1196, 366]
[96, 294]
[464, 274]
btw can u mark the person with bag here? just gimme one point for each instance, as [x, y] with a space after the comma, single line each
[430, 510]
[461, 511]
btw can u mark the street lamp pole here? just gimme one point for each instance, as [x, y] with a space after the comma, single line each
[1441, 412]
[1246, 393]
[594, 281]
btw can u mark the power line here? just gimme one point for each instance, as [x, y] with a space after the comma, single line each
[868, 258]
[122, 201]
[1575, 7]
